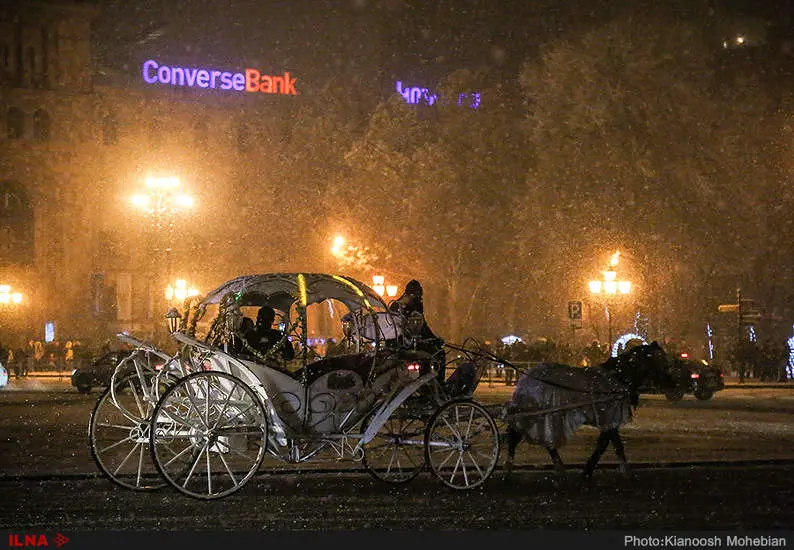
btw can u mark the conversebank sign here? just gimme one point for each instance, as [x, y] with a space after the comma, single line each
[249, 80]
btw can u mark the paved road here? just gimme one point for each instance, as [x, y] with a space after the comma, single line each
[722, 464]
[696, 498]
[44, 432]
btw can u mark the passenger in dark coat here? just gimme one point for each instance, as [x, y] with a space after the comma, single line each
[263, 336]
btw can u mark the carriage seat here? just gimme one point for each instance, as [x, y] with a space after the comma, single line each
[463, 381]
[360, 363]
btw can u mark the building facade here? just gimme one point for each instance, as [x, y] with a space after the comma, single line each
[72, 153]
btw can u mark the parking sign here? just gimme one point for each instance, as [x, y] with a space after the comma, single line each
[575, 311]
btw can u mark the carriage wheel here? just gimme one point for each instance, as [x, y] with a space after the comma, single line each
[118, 434]
[209, 435]
[462, 444]
[396, 454]
[143, 367]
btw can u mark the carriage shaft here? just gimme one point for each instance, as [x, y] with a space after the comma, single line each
[560, 408]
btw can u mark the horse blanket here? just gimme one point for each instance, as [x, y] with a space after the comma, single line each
[552, 401]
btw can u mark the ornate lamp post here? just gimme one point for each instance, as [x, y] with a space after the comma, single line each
[161, 201]
[609, 287]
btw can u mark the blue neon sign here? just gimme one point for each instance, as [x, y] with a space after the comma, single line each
[415, 95]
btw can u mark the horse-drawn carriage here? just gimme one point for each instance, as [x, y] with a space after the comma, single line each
[203, 419]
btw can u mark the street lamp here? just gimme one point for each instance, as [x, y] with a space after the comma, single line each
[8, 297]
[609, 287]
[12, 309]
[161, 201]
[380, 287]
[349, 255]
[179, 291]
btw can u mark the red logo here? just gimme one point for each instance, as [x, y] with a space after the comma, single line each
[15, 540]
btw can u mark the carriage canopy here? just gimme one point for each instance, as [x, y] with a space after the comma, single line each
[281, 290]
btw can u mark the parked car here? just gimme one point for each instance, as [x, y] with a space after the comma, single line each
[96, 373]
[698, 378]
[3, 376]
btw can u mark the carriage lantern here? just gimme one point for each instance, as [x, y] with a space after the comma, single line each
[173, 318]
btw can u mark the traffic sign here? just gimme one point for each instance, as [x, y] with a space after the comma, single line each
[575, 311]
[751, 317]
[728, 308]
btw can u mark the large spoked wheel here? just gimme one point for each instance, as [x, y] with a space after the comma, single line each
[145, 366]
[396, 454]
[462, 444]
[208, 435]
[118, 433]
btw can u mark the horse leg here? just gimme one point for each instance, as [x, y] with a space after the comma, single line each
[513, 439]
[601, 446]
[620, 451]
[559, 467]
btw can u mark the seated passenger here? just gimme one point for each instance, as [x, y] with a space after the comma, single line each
[263, 336]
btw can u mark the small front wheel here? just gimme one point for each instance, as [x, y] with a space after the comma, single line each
[462, 444]
[396, 453]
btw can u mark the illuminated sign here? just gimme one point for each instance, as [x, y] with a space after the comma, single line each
[250, 80]
[415, 95]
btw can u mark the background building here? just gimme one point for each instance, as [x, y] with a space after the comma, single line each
[74, 149]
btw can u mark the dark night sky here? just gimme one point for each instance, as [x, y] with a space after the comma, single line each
[316, 38]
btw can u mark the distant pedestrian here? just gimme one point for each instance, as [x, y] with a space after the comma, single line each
[68, 355]
[36, 353]
[21, 362]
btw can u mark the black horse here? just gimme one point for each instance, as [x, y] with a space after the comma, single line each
[552, 401]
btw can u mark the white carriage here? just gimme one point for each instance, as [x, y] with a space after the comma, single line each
[214, 411]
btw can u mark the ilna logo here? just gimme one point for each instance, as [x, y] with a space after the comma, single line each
[249, 81]
[16, 540]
